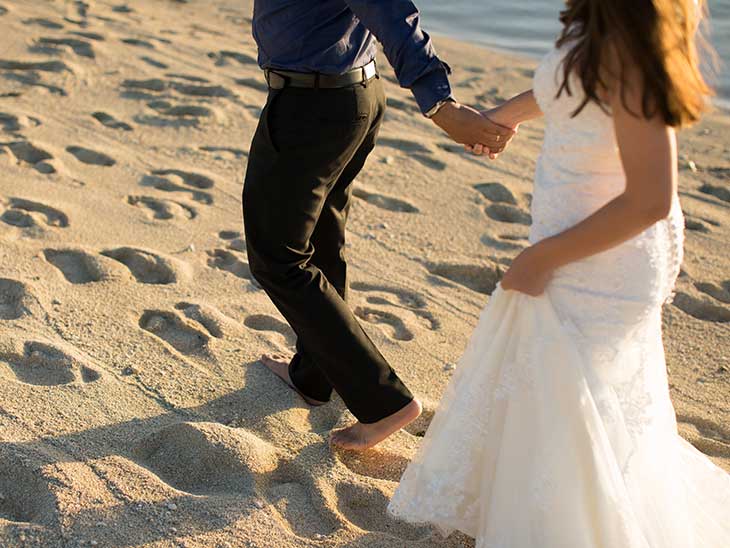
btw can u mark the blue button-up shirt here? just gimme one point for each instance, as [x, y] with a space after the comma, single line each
[334, 36]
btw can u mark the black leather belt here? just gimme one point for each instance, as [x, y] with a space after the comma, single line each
[280, 79]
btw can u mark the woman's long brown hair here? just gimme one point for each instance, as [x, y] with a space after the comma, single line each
[657, 37]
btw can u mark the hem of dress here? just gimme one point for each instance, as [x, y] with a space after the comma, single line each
[443, 528]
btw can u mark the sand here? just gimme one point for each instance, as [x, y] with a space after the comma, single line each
[133, 409]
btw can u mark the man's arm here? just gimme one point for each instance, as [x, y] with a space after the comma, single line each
[396, 24]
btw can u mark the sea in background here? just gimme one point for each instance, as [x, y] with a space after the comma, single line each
[530, 27]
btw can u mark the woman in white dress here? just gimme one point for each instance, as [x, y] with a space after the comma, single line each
[557, 430]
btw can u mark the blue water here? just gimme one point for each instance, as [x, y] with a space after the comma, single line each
[530, 27]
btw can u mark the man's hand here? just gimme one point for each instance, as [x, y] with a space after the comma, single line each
[468, 126]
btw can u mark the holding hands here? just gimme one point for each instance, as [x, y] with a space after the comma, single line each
[487, 132]
[468, 126]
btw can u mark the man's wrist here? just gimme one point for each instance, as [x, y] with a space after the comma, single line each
[438, 106]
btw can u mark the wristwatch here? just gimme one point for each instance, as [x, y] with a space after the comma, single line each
[438, 106]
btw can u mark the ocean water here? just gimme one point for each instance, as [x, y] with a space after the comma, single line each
[530, 27]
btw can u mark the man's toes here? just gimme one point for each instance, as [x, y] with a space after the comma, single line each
[345, 439]
[275, 361]
[338, 438]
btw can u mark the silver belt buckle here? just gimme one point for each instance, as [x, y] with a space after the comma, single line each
[369, 70]
[276, 80]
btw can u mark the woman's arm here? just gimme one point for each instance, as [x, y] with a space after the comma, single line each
[517, 110]
[510, 114]
[649, 156]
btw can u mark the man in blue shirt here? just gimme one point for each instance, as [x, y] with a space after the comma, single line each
[320, 123]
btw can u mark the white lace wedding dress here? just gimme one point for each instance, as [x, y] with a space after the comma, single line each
[557, 430]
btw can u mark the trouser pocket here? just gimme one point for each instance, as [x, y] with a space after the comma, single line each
[266, 116]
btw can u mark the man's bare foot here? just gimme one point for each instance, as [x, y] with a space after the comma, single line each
[279, 365]
[360, 437]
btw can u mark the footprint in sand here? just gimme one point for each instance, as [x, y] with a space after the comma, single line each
[78, 267]
[110, 121]
[496, 192]
[510, 244]
[122, 8]
[399, 330]
[34, 66]
[289, 490]
[402, 300]
[201, 90]
[508, 214]
[171, 115]
[146, 267]
[91, 157]
[711, 438]
[11, 123]
[45, 23]
[293, 502]
[82, 12]
[223, 58]
[225, 152]
[477, 277]
[264, 322]
[415, 150]
[26, 494]
[722, 173]
[365, 505]
[155, 180]
[379, 463]
[253, 83]
[699, 224]
[704, 310]
[189, 178]
[41, 364]
[718, 292]
[213, 320]
[154, 62]
[89, 35]
[383, 202]
[181, 334]
[32, 79]
[234, 239]
[138, 43]
[26, 214]
[15, 299]
[27, 153]
[695, 226]
[229, 262]
[719, 192]
[161, 209]
[155, 84]
[188, 77]
[208, 458]
[82, 48]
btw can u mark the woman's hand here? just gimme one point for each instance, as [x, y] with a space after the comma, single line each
[530, 273]
[496, 116]
[503, 116]
[509, 114]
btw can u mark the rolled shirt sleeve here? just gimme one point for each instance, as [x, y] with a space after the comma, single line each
[396, 24]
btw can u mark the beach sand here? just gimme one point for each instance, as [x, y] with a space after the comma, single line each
[133, 408]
